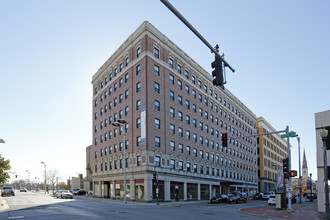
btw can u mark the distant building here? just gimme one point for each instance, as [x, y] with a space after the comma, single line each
[271, 151]
[304, 167]
[175, 121]
[322, 120]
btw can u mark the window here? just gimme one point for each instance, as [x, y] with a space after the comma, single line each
[172, 79]
[126, 61]
[179, 69]
[170, 62]
[188, 135]
[172, 164]
[188, 150]
[156, 52]
[172, 129]
[186, 73]
[138, 104]
[188, 167]
[195, 152]
[187, 89]
[121, 66]
[157, 123]
[187, 104]
[157, 88]
[126, 78]
[138, 123]
[126, 94]
[201, 154]
[179, 100]
[193, 79]
[138, 52]
[172, 145]
[187, 119]
[138, 87]
[138, 69]
[157, 105]
[180, 132]
[180, 148]
[156, 70]
[138, 159]
[172, 95]
[180, 116]
[157, 161]
[194, 108]
[157, 141]
[172, 112]
[179, 84]
[138, 140]
[180, 165]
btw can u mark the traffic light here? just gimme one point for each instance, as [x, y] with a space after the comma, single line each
[224, 140]
[293, 173]
[286, 168]
[217, 72]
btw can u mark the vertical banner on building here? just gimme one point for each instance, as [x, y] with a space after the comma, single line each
[143, 125]
[280, 179]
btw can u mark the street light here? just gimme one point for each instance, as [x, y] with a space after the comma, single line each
[324, 135]
[45, 177]
[29, 179]
[310, 176]
[274, 165]
[118, 123]
[299, 181]
[2, 141]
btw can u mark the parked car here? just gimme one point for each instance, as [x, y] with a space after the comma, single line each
[65, 194]
[57, 193]
[220, 199]
[73, 191]
[308, 195]
[23, 189]
[80, 192]
[258, 196]
[7, 190]
[267, 195]
[237, 197]
[272, 200]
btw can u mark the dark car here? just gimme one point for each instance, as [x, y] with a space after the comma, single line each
[237, 197]
[219, 199]
[7, 190]
[308, 195]
[258, 196]
[80, 192]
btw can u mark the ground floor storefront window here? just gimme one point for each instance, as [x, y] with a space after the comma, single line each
[192, 191]
[176, 190]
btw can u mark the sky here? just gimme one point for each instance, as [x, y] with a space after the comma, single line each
[49, 51]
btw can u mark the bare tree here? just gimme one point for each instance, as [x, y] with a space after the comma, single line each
[52, 177]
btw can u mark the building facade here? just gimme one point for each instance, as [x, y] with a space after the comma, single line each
[272, 149]
[322, 120]
[175, 121]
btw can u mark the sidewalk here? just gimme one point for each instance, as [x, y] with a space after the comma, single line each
[3, 204]
[305, 210]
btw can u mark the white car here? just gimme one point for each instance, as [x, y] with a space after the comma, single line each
[272, 200]
[267, 195]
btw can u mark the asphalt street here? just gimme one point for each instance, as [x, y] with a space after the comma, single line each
[39, 206]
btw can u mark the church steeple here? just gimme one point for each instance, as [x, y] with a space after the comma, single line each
[304, 167]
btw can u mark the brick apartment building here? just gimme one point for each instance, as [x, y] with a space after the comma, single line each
[175, 120]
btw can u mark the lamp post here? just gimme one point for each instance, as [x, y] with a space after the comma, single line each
[310, 177]
[118, 123]
[2, 141]
[45, 177]
[274, 165]
[299, 181]
[324, 135]
[29, 179]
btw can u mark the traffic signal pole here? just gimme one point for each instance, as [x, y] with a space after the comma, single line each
[289, 180]
[177, 13]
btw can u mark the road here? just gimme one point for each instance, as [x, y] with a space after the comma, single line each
[38, 206]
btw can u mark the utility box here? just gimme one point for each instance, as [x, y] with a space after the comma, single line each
[280, 201]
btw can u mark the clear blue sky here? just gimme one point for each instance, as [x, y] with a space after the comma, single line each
[49, 51]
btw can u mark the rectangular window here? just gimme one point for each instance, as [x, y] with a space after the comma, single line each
[138, 104]
[138, 160]
[156, 70]
[172, 145]
[138, 52]
[156, 87]
[186, 73]
[170, 62]
[157, 105]
[138, 87]
[172, 112]
[179, 69]
[180, 148]
[138, 69]
[157, 161]
[157, 141]
[172, 129]
[188, 150]
[156, 52]
[172, 79]
[157, 123]
[172, 164]
[172, 95]
[180, 165]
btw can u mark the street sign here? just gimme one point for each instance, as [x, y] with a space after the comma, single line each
[289, 188]
[290, 134]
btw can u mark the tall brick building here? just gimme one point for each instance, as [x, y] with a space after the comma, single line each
[175, 120]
